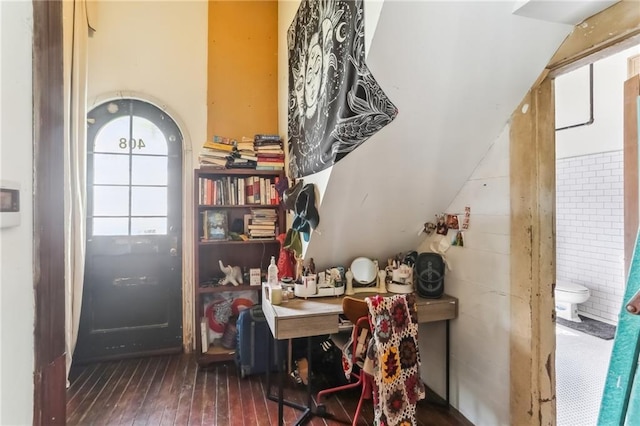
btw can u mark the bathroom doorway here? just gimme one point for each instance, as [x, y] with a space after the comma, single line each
[590, 246]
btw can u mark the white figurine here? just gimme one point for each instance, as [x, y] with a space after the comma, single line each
[233, 274]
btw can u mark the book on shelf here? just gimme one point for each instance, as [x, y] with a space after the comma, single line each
[266, 137]
[270, 163]
[221, 162]
[210, 152]
[247, 221]
[265, 227]
[204, 334]
[219, 146]
[268, 147]
[279, 156]
[246, 156]
[245, 144]
[270, 168]
[274, 159]
[239, 163]
[269, 150]
[223, 139]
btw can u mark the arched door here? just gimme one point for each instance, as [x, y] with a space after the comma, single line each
[132, 289]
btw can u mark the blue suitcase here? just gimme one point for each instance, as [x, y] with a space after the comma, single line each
[251, 348]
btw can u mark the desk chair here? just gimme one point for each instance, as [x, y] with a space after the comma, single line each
[357, 312]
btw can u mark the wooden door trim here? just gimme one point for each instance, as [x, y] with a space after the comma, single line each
[532, 182]
[48, 150]
[532, 340]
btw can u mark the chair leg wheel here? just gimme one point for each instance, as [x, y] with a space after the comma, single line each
[321, 410]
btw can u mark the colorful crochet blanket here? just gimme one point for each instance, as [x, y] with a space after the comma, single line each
[393, 350]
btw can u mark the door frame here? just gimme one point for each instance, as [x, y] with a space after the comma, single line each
[49, 396]
[532, 183]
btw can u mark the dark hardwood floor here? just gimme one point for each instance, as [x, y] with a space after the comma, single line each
[173, 390]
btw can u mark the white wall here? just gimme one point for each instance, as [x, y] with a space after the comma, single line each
[455, 71]
[480, 279]
[16, 244]
[157, 50]
[605, 134]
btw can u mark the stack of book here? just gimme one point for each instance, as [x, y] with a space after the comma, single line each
[261, 224]
[243, 157]
[217, 153]
[245, 149]
[269, 152]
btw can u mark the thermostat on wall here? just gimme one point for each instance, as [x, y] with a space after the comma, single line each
[9, 203]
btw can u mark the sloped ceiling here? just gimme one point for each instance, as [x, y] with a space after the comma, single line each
[456, 71]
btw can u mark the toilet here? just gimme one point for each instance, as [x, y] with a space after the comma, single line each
[568, 296]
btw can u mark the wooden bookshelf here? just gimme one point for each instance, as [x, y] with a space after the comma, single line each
[224, 195]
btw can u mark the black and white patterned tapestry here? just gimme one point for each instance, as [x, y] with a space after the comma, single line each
[335, 104]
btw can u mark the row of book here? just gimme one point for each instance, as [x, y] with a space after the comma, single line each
[238, 190]
[262, 152]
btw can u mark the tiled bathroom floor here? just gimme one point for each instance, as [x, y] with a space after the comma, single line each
[582, 362]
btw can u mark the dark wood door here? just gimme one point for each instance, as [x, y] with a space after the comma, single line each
[132, 299]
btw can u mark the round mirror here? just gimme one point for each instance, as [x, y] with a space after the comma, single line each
[364, 270]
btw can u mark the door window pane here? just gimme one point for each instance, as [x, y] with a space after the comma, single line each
[110, 226]
[149, 170]
[110, 169]
[148, 225]
[148, 201]
[113, 136]
[110, 201]
[148, 138]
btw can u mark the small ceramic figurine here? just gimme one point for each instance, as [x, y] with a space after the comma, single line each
[299, 268]
[233, 274]
[312, 267]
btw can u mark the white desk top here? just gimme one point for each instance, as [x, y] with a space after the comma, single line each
[317, 316]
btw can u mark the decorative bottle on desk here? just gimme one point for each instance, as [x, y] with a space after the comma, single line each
[274, 289]
[272, 273]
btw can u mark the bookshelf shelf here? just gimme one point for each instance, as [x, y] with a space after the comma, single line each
[238, 206]
[226, 187]
[233, 242]
[217, 289]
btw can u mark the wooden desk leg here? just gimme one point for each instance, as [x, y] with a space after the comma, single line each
[280, 386]
[446, 385]
[289, 356]
[309, 373]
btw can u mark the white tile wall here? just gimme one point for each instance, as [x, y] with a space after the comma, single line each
[589, 229]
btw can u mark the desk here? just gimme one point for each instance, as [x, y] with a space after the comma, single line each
[319, 316]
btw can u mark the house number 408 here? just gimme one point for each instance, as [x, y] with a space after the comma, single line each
[124, 143]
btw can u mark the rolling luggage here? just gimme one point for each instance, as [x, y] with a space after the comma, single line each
[251, 348]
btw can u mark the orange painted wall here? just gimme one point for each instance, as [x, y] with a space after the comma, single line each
[242, 93]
